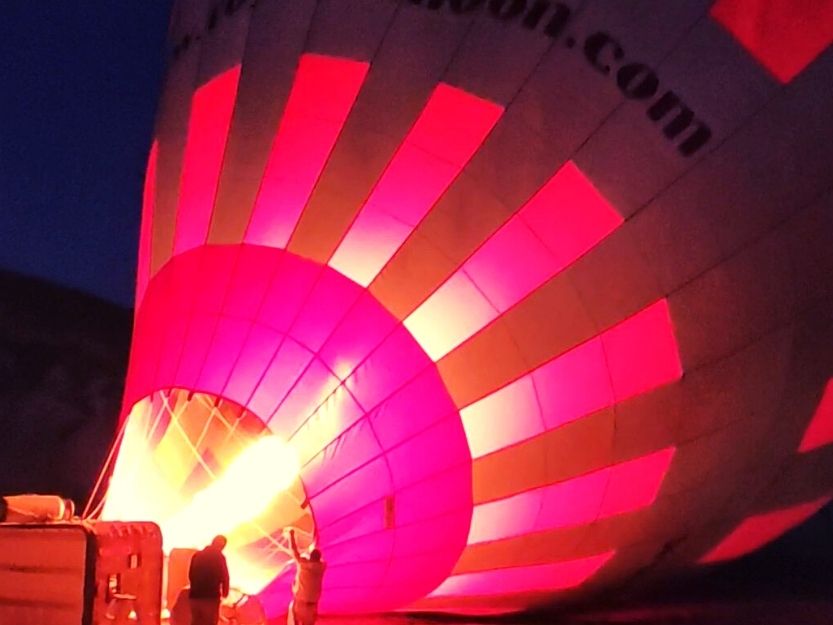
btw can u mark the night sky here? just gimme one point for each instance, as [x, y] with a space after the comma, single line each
[80, 84]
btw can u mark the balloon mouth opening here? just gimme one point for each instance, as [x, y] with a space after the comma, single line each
[200, 465]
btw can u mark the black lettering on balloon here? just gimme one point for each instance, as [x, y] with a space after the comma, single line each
[465, 6]
[595, 44]
[684, 122]
[534, 15]
[212, 19]
[232, 6]
[456, 6]
[432, 4]
[182, 46]
[558, 21]
[507, 9]
[637, 81]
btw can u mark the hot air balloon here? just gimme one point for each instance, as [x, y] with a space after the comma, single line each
[499, 302]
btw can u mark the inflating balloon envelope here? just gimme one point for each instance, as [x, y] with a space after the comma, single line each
[500, 302]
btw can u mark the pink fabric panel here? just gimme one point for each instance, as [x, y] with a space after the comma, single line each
[512, 516]
[458, 309]
[254, 359]
[556, 576]
[250, 281]
[569, 215]
[503, 418]
[510, 265]
[371, 241]
[820, 431]
[170, 352]
[288, 290]
[635, 484]
[405, 572]
[410, 539]
[782, 35]
[177, 306]
[573, 385]
[200, 332]
[449, 130]
[396, 361]
[338, 412]
[360, 551]
[756, 531]
[322, 95]
[311, 388]
[330, 465]
[219, 266]
[229, 338]
[330, 299]
[361, 522]
[278, 378]
[642, 352]
[360, 332]
[574, 502]
[146, 231]
[208, 127]
[151, 325]
[421, 402]
[446, 491]
[454, 124]
[370, 483]
[352, 576]
[440, 443]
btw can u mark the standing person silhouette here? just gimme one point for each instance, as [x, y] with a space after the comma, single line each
[306, 589]
[208, 575]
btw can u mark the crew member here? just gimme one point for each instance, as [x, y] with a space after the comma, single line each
[306, 589]
[208, 575]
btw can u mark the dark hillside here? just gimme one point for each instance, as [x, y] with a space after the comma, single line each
[62, 365]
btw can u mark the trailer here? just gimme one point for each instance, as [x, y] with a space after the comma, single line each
[80, 573]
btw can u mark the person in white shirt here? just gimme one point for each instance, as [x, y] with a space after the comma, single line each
[306, 589]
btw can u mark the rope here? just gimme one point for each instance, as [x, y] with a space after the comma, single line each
[104, 469]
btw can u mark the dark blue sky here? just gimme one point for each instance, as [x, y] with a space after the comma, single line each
[80, 84]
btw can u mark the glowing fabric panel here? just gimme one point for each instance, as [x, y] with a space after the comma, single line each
[146, 231]
[613, 490]
[633, 357]
[322, 95]
[555, 576]
[564, 220]
[208, 127]
[451, 127]
[820, 431]
[783, 35]
[758, 530]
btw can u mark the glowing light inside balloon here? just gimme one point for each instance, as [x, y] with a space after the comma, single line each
[243, 491]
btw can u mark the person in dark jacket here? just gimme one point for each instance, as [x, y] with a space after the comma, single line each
[209, 579]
